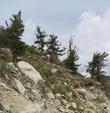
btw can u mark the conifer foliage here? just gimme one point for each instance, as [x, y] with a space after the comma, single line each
[15, 27]
[14, 30]
[4, 40]
[95, 67]
[40, 39]
[72, 58]
[54, 48]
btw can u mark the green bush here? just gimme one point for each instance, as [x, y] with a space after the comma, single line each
[100, 99]
[3, 67]
[61, 88]
[46, 71]
[43, 87]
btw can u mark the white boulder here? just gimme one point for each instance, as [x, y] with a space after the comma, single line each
[54, 70]
[19, 86]
[74, 105]
[29, 71]
[50, 95]
[32, 109]
[81, 92]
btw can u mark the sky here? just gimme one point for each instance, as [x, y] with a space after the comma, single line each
[87, 20]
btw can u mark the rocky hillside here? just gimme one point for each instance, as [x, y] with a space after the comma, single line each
[106, 83]
[33, 85]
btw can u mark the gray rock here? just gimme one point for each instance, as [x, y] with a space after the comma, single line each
[28, 85]
[14, 102]
[92, 88]
[19, 58]
[69, 95]
[50, 95]
[37, 95]
[19, 86]
[57, 102]
[81, 92]
[54, 70]
[74, 105]
[29, 71]
[58, 95]
[2, 108]
[64, 102]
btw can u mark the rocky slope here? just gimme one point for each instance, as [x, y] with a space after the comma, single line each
[33, 85]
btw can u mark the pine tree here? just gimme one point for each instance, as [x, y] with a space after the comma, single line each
[96, 66]
[15, 27]
[40, 42]
[54, 48]
[4, 40]
[14, 30]
[72, 58]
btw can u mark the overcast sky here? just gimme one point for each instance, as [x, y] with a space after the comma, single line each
[89, 20]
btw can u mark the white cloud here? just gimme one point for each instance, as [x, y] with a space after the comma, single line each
[92, 34]
[29, 34]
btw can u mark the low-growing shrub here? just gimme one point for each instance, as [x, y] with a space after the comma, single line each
[61, 88]
[3, 67]
[100, 99]
[88, 82]
[46, 73]
[43, 87]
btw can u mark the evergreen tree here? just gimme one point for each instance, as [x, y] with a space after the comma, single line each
[14, 30]
[96, 66]
[72, 58]
[15, 27]
[4, 40]
[54, 48]
[40, 42]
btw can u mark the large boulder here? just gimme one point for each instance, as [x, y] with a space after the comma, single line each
[6, 54]
[29, 71]
[90, 96]
[82, 92]
[32, 109]
[19, 86]
[12, 102]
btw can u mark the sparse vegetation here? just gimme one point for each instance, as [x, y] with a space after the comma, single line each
[3, 67]
[88, 82]
[100, 99]
[61, 88]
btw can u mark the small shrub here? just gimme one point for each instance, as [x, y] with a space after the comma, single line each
[46, 73]
[43, 87]
[88, 82]
[3, 67]
[100, 99]
[61, 88]
[75, 93]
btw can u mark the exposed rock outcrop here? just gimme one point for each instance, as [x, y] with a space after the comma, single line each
[23, 90]
[14, 102]
[29, 71]
[19, 86]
